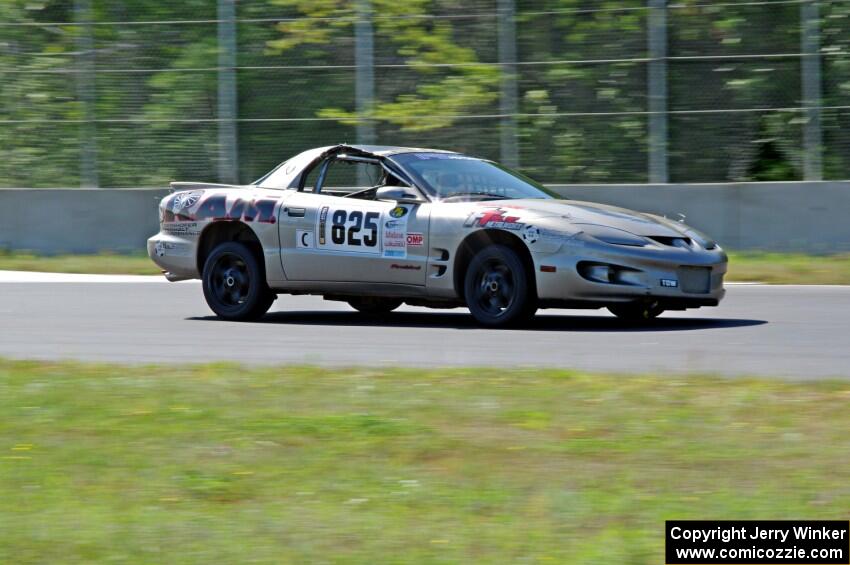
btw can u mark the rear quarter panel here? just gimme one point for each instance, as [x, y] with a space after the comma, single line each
[186, 216]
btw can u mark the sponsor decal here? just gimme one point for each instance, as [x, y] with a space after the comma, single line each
[186, 229]
[323, 219]
[163, 248]
[215, 208]
[186, 200]
[493, 218]
[398, 212]
[304, 239]
[415, 239]
[406, 267]
[669, 283]
[530, 234]
[395, 233]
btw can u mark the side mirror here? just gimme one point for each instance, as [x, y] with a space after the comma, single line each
[399, 194]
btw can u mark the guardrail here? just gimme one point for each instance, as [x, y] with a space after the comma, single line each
[810, 217]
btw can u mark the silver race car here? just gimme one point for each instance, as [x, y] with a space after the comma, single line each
[380, 226]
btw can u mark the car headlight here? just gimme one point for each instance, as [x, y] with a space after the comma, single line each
[613, 236]
[703, 240]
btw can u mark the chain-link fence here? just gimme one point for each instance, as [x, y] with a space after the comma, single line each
[120, 93]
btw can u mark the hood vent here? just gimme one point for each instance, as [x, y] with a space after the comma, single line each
[681, 242]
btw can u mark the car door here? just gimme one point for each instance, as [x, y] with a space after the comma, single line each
[328, 237]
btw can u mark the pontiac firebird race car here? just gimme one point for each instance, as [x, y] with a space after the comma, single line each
[380, 226]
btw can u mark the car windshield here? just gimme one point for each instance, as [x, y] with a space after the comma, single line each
[453, 177]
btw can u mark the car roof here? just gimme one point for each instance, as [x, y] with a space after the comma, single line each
[384, 150]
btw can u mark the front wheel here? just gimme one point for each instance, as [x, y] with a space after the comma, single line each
[637, 312]
[496, 288]
[234, 285]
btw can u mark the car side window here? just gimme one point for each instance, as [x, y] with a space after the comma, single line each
[312, 178]
[345, 177]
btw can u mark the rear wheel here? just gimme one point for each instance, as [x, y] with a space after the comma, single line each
[637, 312]
[234, 284]
[374, 305]
[496, 288]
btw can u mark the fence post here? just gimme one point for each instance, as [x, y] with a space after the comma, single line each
[812, 91]
[508, 96]
[85, 86]
[657, 90]
[228, 148]
[364, 80]
[365, 72]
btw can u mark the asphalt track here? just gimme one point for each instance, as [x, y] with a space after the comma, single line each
[798, 332]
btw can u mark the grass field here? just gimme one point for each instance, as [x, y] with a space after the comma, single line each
[104, 263]
[789, 268]
[222, 464]
[772, 268]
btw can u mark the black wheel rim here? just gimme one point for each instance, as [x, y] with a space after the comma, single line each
[231, 282]
[495, 288]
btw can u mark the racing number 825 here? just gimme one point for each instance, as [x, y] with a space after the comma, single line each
[369, 225]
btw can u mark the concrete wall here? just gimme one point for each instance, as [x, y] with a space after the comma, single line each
[794, 216]
[812, 217]
[78, 220]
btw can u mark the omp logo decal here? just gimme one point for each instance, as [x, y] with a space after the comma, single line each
[415, 239]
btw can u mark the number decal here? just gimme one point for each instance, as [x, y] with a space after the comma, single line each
[350, 230]
[357, 218]
[371, 224]
[338, 227]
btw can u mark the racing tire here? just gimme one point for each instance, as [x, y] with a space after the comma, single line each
[374, 305]
[637, 311]
[234, 283]
[496, 288]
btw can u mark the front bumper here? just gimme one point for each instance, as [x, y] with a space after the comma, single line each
[678, 278]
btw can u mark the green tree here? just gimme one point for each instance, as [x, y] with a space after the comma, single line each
[424, 44]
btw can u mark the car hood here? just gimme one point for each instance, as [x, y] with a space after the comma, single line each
[577, 213]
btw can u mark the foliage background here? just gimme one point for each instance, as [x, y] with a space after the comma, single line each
[734, 79]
